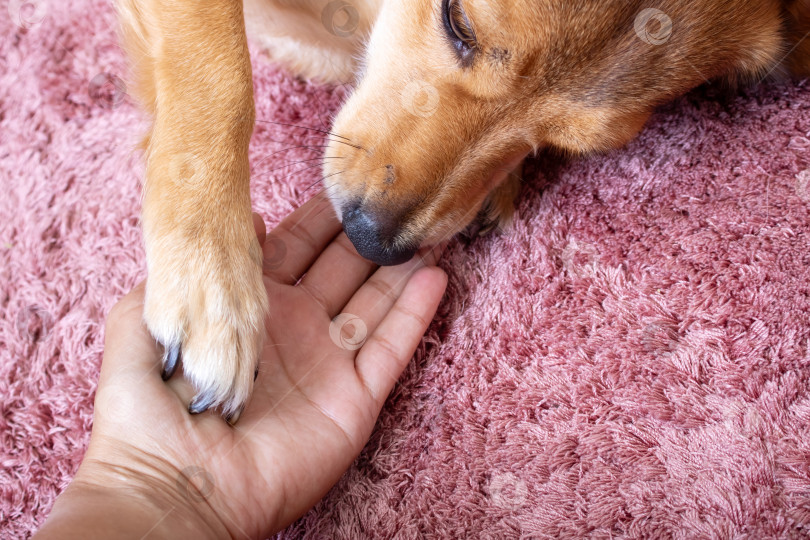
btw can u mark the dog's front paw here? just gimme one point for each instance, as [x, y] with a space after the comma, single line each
[206, 303]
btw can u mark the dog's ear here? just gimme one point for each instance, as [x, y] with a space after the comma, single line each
[797, 27]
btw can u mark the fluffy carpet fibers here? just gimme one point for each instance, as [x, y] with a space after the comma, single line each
[630, 360]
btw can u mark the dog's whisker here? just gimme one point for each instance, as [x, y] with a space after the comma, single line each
[358, 147]
[320, 118]
[319, 139]
[299, 171]
[330, 138]
[266, 158]
[339, 172]
[290, 163]
[305, 127]
[322, 179]
[324, 188]
[294, 148]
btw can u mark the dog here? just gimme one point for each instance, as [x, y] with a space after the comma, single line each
[450, 97]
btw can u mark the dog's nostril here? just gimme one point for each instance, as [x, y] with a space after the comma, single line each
[350, 213]
[373, 236]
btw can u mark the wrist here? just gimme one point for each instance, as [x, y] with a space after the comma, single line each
[109, 502]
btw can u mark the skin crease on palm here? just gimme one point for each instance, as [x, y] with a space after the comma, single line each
[313, 409]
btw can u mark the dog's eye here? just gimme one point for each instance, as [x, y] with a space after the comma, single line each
[459, 23]
[459, 29]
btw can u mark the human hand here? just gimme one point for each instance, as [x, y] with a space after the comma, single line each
[153, 469]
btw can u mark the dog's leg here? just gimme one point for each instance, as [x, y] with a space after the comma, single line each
[205, 300]
[316, 39]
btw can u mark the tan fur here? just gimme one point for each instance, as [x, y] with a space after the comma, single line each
[568, 74]
[433, 137]
[204, 288]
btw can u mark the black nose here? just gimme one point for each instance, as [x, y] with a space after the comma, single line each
[373, 234]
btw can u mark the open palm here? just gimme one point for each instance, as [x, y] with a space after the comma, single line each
[337, 340]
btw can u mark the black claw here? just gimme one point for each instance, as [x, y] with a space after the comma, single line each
[200, 403]
[171, 359]
[234, 416]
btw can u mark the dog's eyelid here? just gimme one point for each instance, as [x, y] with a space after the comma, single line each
[460, 23]
[459, 31]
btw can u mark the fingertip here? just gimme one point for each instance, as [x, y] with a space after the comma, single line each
[425, 289]
[432, 276]
[260, 227]
[430, 255]
[132, 301]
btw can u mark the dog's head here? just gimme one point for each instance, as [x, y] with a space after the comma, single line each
[455, 93]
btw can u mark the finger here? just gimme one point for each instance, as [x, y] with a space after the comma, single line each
[336, 275]
[389, 349]
[130, 351]
[299, 239]
[125, 331]
[375, 298]
[260, 227]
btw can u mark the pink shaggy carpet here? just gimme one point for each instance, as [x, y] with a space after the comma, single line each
[630, 360]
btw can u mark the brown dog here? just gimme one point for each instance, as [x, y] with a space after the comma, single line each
[452, 95]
